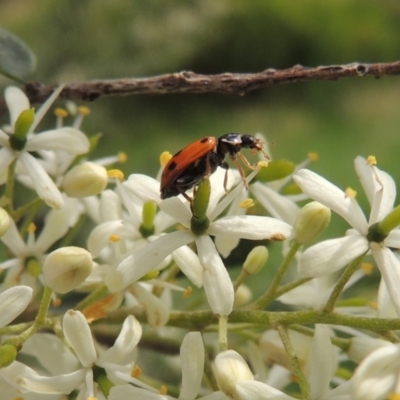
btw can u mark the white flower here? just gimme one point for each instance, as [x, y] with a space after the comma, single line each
[331, 255]
[378, 376]
[192, 365]
[117, 361]
[66, 139]
[55, 227]
[216, 281]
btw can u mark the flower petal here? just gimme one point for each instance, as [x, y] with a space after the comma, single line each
[178, 210]
[6, 157]
[144, 187]
[277, 205]
[389, 266]
[375, 377]
[145, 259]
[260, 391]
[216, 281]
[192, 365]
[128, 338]
[28, 380]
[44, 186]
[188, 262]
[77, 332]
[323, 362]
[251, 227]
[66, 139]
[331, 196]
[12, 302]
[331, 255]
[17, 101]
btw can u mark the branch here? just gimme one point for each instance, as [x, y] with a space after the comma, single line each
[190, 82]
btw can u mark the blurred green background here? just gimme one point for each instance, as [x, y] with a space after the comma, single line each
[77, 40]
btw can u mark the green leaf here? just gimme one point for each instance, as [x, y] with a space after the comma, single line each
[17, 61]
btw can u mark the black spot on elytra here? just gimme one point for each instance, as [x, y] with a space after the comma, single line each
[204, 140]
[172, 166]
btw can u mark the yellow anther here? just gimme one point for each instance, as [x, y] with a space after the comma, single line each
[122, 157]
[351, 193]
[367, 268]
[83, 110]
[312, 156]
[116, 173]
[247, 203]
[61, 112]
[263, 164]
[394, 396]
[373, 305]
[31, 228]
[188, 292]
[371, 160]
[163, 390]
[57, 302]
[164, 158]
[136, 372]
[114, 238]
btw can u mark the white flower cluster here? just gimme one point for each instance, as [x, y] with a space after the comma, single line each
[120, 284]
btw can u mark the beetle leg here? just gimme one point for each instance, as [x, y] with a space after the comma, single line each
[225, 166]
[240, 169]
[246, 162]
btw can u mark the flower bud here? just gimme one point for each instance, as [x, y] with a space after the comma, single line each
[4, 221]
[277, 169]
[21, 129]
[312, 219]
[66, 268]
[255, 260]
[87, 179]
[8, 354]
[243, 296]
[230, 368]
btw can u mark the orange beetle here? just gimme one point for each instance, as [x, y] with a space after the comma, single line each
[189, 166]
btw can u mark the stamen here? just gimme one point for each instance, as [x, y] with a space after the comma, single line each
[371, 160]
[163, 390]
[114, 238]
[313, 156]
[350, 193]
[116, 173]
[367, 268]
[247, 203]
[122, 157]
[84, 110]
[31, 228]
[188, 292]
[164, 158]
[61, 112]
[136, 372]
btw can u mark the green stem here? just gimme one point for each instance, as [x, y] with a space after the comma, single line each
[304, 386]
[267, 297]
[7, 200]
[338, 289]
[40, 317]
[68, 238]
[240, 279]
[94, 296]
[223, 333]
[31, 209]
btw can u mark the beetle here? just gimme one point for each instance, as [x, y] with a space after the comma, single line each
[189, 166]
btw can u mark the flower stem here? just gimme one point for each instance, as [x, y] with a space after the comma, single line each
[40, 317]
[97, 294]
[337, 290]
[223, 333]
[267, 297]
[304, 386]
[7, 199]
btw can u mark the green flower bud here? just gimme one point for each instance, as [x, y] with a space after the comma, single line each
[21, 129]
[255, 260]
[66, 268]
[4, 221]
[379, 231]
[277, 169]
[312, 219]
[148, 214]
[199, 222]
[8, 354]
[87, 179]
